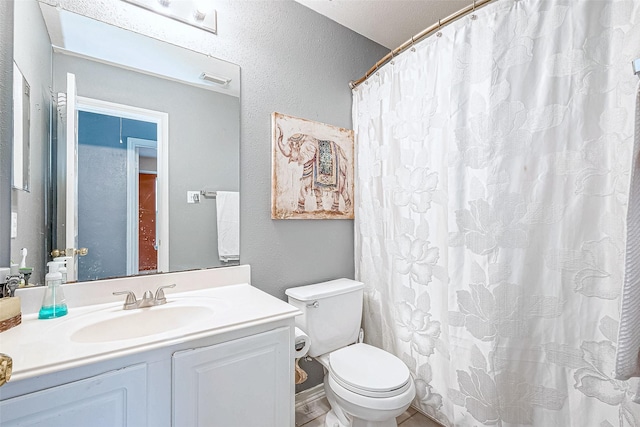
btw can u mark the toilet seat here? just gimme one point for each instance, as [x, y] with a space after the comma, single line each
[369, 371]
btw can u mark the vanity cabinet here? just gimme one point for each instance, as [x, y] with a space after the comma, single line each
[245, 382]
[112, 399]
[242, 378]
[214, 356]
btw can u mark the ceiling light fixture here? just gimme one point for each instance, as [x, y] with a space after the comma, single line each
[197, 13]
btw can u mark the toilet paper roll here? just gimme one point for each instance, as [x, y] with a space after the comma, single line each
[301, 343]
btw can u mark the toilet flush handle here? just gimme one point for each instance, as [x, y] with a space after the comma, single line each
[314, 304]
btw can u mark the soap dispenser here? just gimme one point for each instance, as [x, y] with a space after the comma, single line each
[53, 304]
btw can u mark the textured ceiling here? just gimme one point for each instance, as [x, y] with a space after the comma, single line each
[387, 22]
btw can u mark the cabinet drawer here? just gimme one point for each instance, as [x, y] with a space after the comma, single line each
[113, 399]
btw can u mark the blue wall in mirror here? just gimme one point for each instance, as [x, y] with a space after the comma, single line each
[102, 191]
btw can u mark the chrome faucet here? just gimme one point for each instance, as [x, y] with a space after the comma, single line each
[147, 300]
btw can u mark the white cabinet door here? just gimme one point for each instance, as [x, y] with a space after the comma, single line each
[240, 383]
[113, 399]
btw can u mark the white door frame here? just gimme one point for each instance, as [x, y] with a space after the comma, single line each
[162, 138]
[68, 175]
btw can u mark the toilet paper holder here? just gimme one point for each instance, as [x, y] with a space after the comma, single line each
[301, 343]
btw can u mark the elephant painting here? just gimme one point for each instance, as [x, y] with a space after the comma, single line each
[313, 172]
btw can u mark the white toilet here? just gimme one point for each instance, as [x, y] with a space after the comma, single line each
[366, 386]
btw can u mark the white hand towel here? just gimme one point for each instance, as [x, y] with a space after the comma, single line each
[628, 349]
[228, 216]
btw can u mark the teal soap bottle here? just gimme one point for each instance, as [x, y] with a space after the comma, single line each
[53, 303]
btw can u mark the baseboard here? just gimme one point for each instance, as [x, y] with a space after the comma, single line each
[310, 395]
[310, 404]
[428, 416]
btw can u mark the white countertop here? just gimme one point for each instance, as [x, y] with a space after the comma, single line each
[40, 347]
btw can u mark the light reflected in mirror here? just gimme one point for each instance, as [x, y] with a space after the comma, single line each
[149, 132]
[21, 128]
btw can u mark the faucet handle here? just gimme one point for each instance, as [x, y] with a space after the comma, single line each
[131, 301]
[160, 298]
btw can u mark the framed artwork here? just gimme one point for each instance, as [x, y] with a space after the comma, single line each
[311, 169]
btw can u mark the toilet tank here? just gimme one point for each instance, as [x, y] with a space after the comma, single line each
[331, 313]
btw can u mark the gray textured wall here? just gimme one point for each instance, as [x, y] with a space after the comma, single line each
[296, 62]
[6, 107]
[32, 54]
[203, 146]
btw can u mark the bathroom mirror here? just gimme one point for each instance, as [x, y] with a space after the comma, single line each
[142, 168]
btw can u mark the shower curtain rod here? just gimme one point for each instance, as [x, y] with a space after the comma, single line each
[421, 35]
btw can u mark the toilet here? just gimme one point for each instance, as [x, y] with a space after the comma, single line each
[365, 386]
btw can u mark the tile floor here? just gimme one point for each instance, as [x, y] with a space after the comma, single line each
[313, 416]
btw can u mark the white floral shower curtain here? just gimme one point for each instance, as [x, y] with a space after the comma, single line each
[493, 170]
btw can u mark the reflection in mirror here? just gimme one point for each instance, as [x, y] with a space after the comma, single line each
[120, 152]
[21, 125]
[149, 132]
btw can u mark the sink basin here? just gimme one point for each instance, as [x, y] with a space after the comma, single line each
[141, 323]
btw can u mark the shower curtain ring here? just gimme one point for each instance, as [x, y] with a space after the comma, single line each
[439, 33]
[413, 47]
[473, 11]
[391, 60]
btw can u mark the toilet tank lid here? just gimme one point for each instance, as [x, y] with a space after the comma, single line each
[324, 289]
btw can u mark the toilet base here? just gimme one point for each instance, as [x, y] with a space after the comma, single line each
[331, 420]
[342, 411]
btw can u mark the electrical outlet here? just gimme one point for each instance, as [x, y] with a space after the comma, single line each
[193, 197]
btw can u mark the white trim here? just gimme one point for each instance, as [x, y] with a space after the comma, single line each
[71, 175]
[310, 405]
[133, 169]
[161, 120]
[309, 396]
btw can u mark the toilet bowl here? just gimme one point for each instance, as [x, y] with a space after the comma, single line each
[367, 412]
[365, 386]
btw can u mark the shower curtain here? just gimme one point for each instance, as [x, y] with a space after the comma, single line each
[493, 170]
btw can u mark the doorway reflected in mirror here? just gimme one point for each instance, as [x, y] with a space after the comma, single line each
[117, 169]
